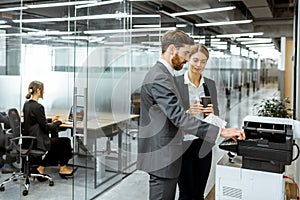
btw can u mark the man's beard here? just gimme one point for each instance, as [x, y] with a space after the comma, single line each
[176, 63]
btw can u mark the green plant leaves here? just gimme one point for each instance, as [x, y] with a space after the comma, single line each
[274, 107]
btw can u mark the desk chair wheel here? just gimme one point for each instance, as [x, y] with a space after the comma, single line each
[51, 183]
[25, 192]
[2, 189]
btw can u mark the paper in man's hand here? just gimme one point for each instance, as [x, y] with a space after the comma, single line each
[215, 120]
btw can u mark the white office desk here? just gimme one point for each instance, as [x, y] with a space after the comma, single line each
[103, 129]
[101, 119]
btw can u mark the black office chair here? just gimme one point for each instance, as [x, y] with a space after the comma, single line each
[17, 148]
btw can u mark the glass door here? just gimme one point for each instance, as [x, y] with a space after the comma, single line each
[101, 86]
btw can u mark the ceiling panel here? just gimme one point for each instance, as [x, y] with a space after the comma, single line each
[255, 3]
[261, 12]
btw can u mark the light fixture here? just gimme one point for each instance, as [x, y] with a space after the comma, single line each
[129, 30]
[13, 9]
[219, 46]
[151, 43]
[104, 16]
[203, 11]
[166, 13]
[30, 29]
[197, 36]
[144, 16]
[2, 22]
[75, 37]
[155, 34]
[123, 36]
[235, 35]
[254, 41]
[12, 34]
[146, 26]
[250, 39]
[181, 25]
[41, 33]
[224, 23]
[50, 5]
[219, 43]
[260, 45]
[5, 26]
[98, 4]
[89, 17]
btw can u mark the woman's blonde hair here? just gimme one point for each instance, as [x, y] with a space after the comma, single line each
[32, 88]
[199, 48]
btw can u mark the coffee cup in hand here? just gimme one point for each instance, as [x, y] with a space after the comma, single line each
[205, 101]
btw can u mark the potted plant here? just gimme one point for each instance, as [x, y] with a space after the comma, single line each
[274, 107]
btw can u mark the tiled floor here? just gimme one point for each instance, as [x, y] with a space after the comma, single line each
[134, 186]
[139, 180]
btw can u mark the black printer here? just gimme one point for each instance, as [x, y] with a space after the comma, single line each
[268, 145]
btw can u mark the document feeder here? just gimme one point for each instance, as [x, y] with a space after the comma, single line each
[268, 145]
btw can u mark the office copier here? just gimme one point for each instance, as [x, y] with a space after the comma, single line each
[257, 171]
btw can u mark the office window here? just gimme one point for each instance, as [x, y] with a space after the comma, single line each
[2, 53]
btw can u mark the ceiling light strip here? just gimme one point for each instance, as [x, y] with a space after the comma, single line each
[144, 16]
[51, 5]
[235, 35]
[266, 41]
[261, 45]
[5, 26]
[41, 33]
[146, 26]
[224, 23]
[104, 16]
[13, 9]
[98, 4]
[129, 30]
[12, 34]
[251, 39]
[203, 11]
[181, 25]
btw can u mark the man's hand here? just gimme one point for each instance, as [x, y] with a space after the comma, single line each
[233, 133]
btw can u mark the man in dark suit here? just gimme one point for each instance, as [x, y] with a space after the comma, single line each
[162, 118]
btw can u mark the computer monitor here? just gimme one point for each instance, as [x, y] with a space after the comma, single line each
[79, 113]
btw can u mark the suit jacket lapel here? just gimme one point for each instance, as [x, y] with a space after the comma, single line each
[173, 81]
[184, 91]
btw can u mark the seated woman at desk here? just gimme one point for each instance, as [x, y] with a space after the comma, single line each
[35, 124]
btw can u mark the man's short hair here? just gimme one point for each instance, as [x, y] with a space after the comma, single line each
[176, 37]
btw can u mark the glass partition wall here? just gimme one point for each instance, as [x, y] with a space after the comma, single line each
[89, 57]
[92, 56]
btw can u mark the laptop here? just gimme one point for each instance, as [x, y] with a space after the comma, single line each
[79, 114]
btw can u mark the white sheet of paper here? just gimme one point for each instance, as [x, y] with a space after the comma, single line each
[189, 137]
[215, 120]
[211, 119]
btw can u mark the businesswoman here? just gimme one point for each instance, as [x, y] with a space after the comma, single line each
[192, 85]
[35, 124]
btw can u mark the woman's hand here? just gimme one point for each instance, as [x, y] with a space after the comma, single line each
[195, 108]
[209, 109]
[55, 118]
